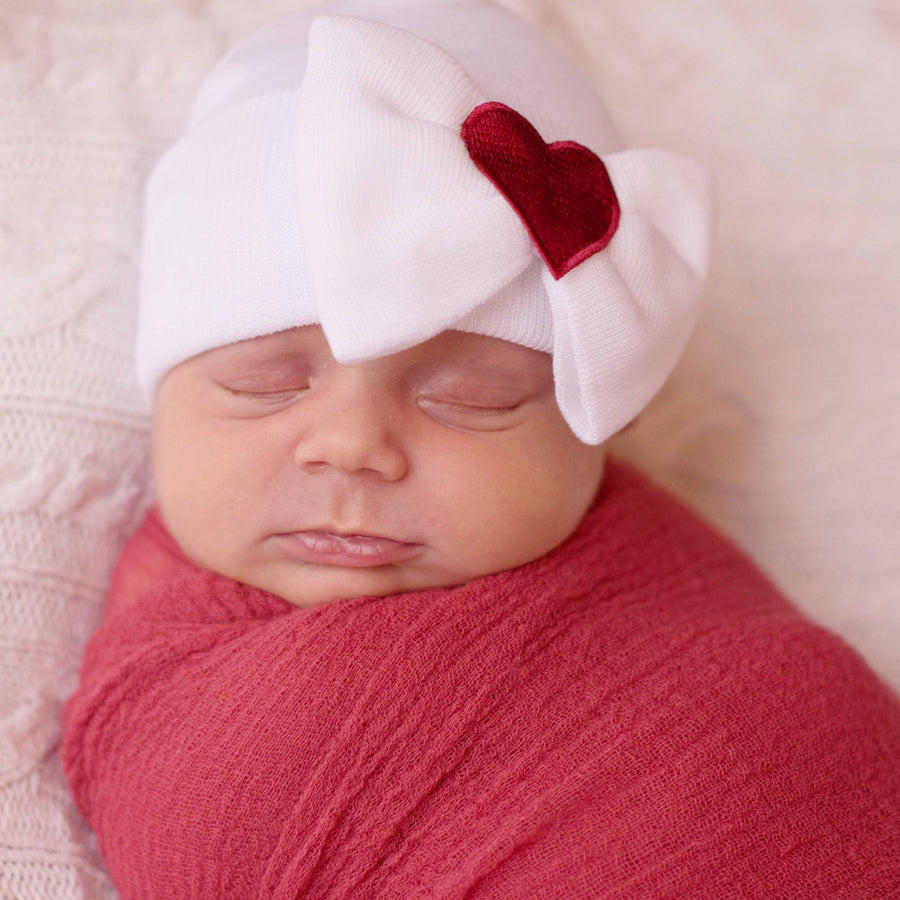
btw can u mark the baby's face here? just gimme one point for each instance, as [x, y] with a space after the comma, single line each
[284, 469]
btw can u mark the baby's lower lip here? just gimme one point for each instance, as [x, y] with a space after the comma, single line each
[359, 551]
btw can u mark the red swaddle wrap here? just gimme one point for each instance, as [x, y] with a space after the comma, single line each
[637, 714]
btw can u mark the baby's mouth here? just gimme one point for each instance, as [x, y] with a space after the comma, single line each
[358, 551]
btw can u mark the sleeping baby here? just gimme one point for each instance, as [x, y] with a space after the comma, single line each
[398, 628]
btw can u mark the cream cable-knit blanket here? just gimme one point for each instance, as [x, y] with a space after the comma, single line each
[782, 424]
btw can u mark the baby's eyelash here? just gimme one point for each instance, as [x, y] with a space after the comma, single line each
[469, 406]
[469, 417]
[266, 395]
[478, 409]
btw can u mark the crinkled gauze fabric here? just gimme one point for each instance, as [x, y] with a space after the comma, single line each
[637, 714]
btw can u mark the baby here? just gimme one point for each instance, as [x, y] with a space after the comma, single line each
[398, 628]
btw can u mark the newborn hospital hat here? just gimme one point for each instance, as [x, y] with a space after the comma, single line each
[391, 169]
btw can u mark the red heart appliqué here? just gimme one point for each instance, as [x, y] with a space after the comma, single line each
[561, 191]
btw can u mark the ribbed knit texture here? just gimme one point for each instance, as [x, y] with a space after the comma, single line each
[636, 715]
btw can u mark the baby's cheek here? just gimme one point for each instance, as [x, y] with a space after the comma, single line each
[556, 494]
[510, 512]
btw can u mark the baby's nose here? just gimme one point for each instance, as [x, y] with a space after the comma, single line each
[357, 438]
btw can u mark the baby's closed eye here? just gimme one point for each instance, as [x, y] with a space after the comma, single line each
[472, 404]
[269, 380]
[264, 389]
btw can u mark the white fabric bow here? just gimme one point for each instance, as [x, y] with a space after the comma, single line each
[404, 237]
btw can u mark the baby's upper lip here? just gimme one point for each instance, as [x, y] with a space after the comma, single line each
[347, 533]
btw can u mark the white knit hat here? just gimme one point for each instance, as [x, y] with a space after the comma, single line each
[394, 168]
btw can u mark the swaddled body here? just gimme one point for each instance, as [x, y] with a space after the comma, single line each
[397, 629]
[637, 714]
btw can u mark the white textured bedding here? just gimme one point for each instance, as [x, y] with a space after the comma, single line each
[782, 424]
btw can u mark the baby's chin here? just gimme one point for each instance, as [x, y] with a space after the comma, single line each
[312, 585]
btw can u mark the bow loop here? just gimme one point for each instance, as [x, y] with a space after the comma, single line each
[403, 235]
